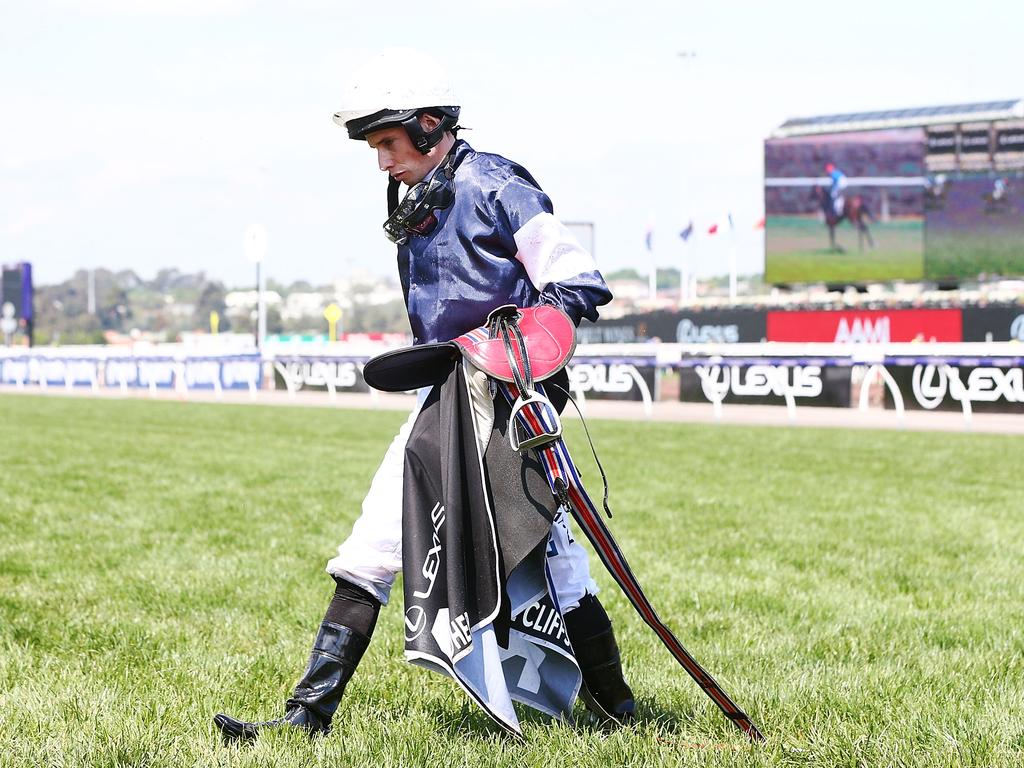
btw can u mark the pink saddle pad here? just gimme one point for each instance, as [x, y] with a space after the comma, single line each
[550, 342]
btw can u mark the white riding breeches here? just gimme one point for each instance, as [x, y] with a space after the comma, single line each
[371, 557]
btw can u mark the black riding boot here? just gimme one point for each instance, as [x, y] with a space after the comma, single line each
[343, 637]
[336, 653]
[604, 691]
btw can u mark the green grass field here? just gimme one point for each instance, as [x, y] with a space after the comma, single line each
[797, 251]
[860, 593]
[971, 253]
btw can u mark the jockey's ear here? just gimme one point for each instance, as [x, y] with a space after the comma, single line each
[429, 122]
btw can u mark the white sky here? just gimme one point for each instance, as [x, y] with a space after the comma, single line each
[149, 133]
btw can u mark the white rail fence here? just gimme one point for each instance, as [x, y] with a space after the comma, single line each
[968, 377]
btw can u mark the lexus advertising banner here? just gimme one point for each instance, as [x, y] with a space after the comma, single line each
[991, 389]
[720, 326]
[314, 374]
[766, 384]
[605, 379]
[866, 326]
[1000, 322]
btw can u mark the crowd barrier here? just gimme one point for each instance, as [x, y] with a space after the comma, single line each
[985, 377]
[45, 368]
[966, 377]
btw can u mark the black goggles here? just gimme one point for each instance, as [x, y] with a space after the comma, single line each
[415, 214]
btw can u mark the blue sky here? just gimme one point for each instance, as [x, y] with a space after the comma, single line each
[150, 133]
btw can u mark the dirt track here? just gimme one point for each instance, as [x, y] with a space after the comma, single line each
[754, 415]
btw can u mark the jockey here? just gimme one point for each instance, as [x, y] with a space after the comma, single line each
[999, 189]
[474, 231]
[837, 189]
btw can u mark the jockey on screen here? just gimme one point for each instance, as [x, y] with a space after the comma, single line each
[837, 189]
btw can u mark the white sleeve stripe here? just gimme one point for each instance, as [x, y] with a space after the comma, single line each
[550, 252]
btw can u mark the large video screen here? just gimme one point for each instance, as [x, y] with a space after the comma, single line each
[974, 225]
[974, 200]
[942, 203]
[845, 207]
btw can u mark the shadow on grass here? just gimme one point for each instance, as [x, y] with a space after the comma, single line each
[469, 721]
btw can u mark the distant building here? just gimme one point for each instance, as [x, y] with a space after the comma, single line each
[366, 290]
[239, 301]
[629, 289]
[299, 304]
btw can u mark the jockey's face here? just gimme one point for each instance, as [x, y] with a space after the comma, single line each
[400, 159]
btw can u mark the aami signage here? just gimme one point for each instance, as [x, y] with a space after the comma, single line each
[866, 326]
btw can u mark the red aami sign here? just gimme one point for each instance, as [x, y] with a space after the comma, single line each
[869, 325]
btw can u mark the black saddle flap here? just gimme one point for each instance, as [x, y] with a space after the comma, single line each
[402, 370]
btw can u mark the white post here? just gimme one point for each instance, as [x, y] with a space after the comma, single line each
[255, 243]
[261, 308]
[958, 391]
[180, 383]
[287, 378]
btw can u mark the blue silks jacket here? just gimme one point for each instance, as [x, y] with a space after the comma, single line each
[498, 243]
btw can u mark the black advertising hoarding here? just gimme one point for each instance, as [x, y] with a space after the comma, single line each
[990, 389]
[314, 374]
[997, 322]
[608, 379]
[765, 384]
[720, 326]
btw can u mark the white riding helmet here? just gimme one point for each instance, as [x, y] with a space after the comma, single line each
[394, 88]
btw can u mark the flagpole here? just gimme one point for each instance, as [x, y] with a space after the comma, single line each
[732, 259]
[684, 275]
[653, 282]
[732, 266]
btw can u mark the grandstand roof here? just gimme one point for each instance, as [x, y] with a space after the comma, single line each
[902, 118]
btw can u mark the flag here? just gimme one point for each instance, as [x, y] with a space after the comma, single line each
[648, 238]
[687, 231]
[720, 224]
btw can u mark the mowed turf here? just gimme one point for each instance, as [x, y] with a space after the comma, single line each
[859, 593]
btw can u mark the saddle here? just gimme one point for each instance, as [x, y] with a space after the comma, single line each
[519, 346]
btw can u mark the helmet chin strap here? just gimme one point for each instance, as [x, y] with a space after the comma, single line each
[415, 213]
[392, 195]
